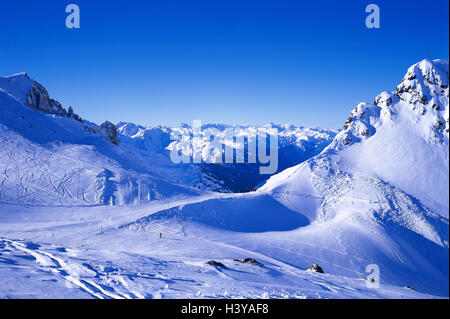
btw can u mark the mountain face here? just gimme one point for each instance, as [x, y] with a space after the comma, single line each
[295, 145]
[386, 175]
[31, 93]
[403, 137]
[28, 92]
[50, 156]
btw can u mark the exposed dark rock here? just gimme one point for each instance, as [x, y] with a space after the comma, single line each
[436, 107]
[250, 261]
[348, 122]
[347, 140]
[109, 131]
[365, 132]
[315, 268]
[215, 264]
[438, 125]
[70, 111]
[361, 114]
[39, 99]
[423, 99]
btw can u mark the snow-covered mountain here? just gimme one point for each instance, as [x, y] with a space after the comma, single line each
[50, 156]
[295, 145]
[74, 161]
[305, 142]
[402, 139]
[377, 197]
[378, 194]
[383, 183]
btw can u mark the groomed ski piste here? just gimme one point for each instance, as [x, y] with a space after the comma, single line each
[82, 217]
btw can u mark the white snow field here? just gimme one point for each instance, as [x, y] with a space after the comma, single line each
[81, 217]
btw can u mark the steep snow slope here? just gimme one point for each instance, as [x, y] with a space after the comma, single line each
[49, 156]
[387, 174]
[401, 139]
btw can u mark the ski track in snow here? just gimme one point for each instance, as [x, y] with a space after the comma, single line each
[56, 265]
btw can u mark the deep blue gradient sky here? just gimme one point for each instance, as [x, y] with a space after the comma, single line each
[227, 61]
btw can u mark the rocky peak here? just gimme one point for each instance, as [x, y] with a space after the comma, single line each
[425, 83]
[129, 129]
[34, 95]
[424, 89]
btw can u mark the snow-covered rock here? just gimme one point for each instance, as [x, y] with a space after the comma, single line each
[315, 268]
[33, 94]
[110, 132]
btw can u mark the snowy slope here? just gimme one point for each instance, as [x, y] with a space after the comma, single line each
[51, 157]
[402, 139]
[387, 175]
[377, 195]
[78, 252]
[66, 160]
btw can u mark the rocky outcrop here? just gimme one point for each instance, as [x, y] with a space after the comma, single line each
[39, 99]
[216, 264]
[109, 131]
[422, 97]
[251, 261]
[34, 95]
[70, 113]
[315, 268]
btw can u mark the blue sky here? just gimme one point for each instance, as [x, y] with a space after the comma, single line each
[233, 61]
